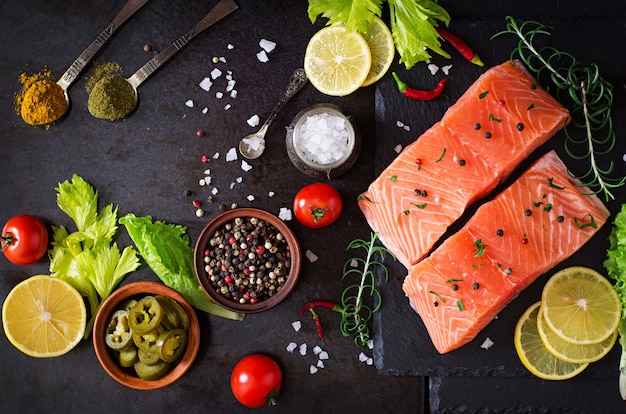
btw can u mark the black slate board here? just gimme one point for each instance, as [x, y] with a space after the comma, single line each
[403, 346]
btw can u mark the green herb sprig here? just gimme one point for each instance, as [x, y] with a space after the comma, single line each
[356, 313]
[584, 92]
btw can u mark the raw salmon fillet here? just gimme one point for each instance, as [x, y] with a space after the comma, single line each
[497, 123]
[534, 224]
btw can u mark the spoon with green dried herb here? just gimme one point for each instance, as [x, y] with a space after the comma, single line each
[113, 97]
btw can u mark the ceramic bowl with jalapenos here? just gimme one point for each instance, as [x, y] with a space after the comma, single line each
[146, 335]
[247, 260]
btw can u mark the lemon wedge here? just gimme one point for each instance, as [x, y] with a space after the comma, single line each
[380, 42]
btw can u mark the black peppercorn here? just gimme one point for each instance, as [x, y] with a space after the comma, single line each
[461, 163]
[455, 287]
[487, 134]
[500, 232]
[560, 219]
[519, 126]
[475, 285]
[528, 212]
[476, 126]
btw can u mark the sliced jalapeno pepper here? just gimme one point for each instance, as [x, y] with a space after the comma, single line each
[171, 344]
[128, 357]
[148, 341]
[174, 314]
[145, 315]
[147, 357]
[118, 335]
[151, 372]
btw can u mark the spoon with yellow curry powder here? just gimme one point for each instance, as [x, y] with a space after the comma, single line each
[113, 97]
[46, 101]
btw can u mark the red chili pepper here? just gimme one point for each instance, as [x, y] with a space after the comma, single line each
[418, 94]
[461, 46]
[309, 306]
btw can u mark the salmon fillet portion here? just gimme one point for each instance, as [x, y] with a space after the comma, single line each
[534, 224]
[480, 140]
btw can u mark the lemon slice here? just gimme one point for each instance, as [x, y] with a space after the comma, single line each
[581, 306]
[567, 351]
[380, 42]
[44, 316]
[337, 61]
[534, 355]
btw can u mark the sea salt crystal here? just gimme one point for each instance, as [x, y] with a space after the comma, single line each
[232, 185]
[238, 180]
[398, 148]
[245, 166]
[362, 357]
[207, 171]
[369, 361]
[233, 93]
[446, 69]
[230, 47]
[219, 95]
[291, 347]
[205, 110]
[320, 364]
[231, 155]
[253, 120]
[214, 191]
[206, 84]
[231, 84]
[317, 349]
[313, 369]
[323, 138]
[354, 263]
[216, 155]
[296, 325]
[433, 68]
[399, 124]
[406, 128]
[189, 103]
[267, 45]
[262, 56]
[250, 197]
[370, 344]
[284, 214]
[487, 343]
[271, 194]
[216, 73]
[624, 157]
[207, 180]
[323, 355]
[311, 256]
[227, 107]
[222, 59]
[303, 349]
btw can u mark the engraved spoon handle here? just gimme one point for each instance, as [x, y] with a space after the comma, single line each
[221, 10]
[81, 61]
[296, 82]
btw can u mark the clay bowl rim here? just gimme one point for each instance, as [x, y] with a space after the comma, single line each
[216, 223]
[135, 289]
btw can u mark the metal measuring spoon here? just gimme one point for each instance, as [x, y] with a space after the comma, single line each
[221, 10]
[252, 146]
[81, 61]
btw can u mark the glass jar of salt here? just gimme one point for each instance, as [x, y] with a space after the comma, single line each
[322, 141]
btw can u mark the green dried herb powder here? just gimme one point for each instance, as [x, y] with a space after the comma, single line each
[111, 98]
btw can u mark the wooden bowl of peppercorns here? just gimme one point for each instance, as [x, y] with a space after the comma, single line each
[247, 260]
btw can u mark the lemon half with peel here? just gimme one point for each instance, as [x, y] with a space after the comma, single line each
[380, 42]
[533, 353]
[570, 352]
[336, 61]
[581, 306]
[44, 316]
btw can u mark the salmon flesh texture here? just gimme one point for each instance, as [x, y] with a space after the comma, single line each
[481, 139]
[534, 224]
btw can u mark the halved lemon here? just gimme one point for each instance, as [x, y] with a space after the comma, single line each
[44, 316]
[570, 352]
[337, 61]
[535, 356]
[581, 306]
[380, 42]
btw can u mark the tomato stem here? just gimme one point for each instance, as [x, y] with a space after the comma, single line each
[5, 241]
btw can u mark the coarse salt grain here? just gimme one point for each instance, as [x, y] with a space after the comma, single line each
[303, 349]
[317, 349]
[370, 344]
[222, 59]
[369, 361]
[207, 180]
[230, 47]
[262, 56]
[313, 369]
[406, 128]
[231, 155]
[253, 120]
[231, 83]
[487, 343]
[238, 180]
[320, 364]
[284, 214]
[216, 155]
[245, 166]
[399, 124]
[446, 69]
[233, 93]
[433, 68]
[271, 194]
[227, 107]
[250, 197]
[206, 84]
[362, 357]
[354, 263]
[323, 355]
[398, 148]
[189, 103]
[219, 95]
[291, 347]
[214, 191]
[267, 45]
[216, 73]
[323, 138]
[296, 325]
[311, 256]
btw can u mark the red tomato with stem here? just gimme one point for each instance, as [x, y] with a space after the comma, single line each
[256, 381]
[317, 205]
[24, 239]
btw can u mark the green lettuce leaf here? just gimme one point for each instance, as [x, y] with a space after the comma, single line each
[166, 248]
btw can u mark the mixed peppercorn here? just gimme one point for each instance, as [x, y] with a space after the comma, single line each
[247, 260]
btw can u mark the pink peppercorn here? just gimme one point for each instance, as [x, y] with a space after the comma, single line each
[196, 203]
[260, 250]
[525, 240]
[200, 133]
[204, 159]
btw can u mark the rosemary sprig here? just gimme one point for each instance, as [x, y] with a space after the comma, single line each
[584, 92]
[356, 313]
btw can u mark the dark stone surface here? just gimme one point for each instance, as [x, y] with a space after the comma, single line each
[145, 163]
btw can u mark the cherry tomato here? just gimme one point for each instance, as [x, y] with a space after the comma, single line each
[256, 381]
[317, 205]
[24, 239]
